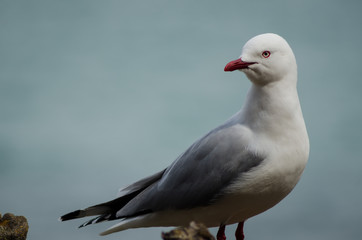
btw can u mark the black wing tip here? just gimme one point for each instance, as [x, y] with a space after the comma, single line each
[83, 225]
[104, 217]
[87, 223]
[70, 216]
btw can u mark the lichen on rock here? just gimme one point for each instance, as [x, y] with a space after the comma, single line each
[13, 227]
[196, 231]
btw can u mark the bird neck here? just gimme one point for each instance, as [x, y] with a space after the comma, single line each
[273, 108]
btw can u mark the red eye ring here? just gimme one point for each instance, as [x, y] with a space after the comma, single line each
[266, 54]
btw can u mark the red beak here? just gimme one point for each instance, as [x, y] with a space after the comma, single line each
[237, 64]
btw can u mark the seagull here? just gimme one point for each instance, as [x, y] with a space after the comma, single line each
[238, 170]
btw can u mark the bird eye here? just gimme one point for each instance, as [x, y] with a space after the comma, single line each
[266, 54]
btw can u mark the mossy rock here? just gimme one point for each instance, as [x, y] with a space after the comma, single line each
[13, 227]
[196, 231]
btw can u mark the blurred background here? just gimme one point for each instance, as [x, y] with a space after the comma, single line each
[97, 94]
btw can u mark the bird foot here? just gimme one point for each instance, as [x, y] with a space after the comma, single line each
[239, 233]
[221, 233]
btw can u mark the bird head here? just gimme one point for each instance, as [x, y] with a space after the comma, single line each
[265, 58]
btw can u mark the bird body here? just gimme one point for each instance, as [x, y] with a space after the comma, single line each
[236, 171]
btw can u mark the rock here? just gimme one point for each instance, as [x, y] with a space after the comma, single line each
[196, 231]
[13, 227]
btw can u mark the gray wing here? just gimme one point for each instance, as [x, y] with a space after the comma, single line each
[199, 176]
[107, 210]
[140, 185]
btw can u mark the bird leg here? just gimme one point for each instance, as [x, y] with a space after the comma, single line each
[221, 233]
[239, 233]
